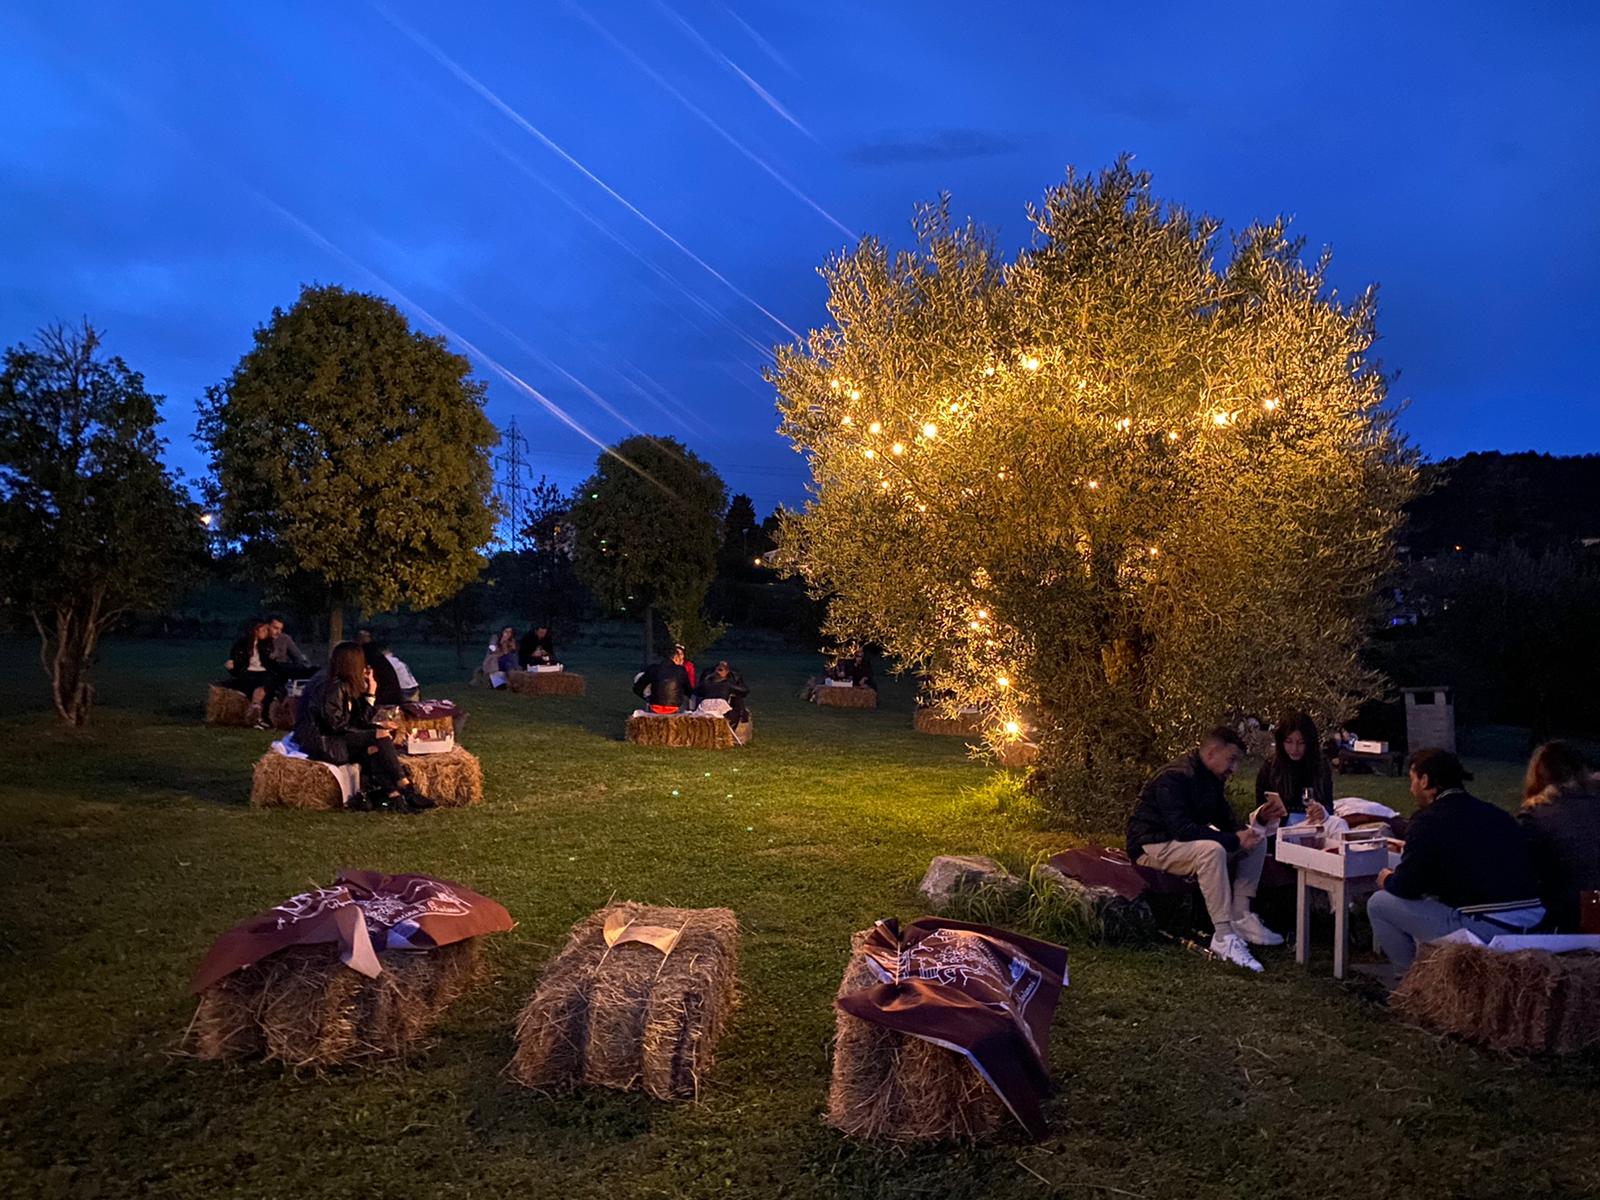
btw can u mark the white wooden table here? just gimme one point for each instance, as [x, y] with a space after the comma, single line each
[1343, 877]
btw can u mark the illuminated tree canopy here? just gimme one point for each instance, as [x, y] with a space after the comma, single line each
[1119, 488]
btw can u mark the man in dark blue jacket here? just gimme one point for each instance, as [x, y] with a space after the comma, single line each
[1465, 866]
[1184, 825]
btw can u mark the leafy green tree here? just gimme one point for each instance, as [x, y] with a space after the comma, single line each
[648, 526]
[349, 449]
[1121, 487]
[91, 524]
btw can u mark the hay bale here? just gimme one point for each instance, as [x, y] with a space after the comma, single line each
[890, 1086]
[1530, 1001]
[304, 1007]
[1018, 753]
[847, 697]
[546, 683]
[625, 1017]
[227, 706]
[283, 711]
[930, 720]
[283, 782]
[687, 729]
[453, 779]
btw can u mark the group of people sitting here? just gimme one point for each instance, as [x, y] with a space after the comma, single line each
[1466, 863]
[264, 660]
[507, 652]
[672, 685]
[337, 723]
[261, 663]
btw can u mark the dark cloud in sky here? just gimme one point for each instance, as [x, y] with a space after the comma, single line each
[174, 171]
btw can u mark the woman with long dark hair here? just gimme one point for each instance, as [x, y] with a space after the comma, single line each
[251, 669]
[335, 725]
[1296, 770]
[1561, 818]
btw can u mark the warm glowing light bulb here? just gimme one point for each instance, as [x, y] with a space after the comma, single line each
[930, 430]
[758, 561]
[847, 419]
[834, 384]
[983, 614]
[1013, 728]
[884, 485]
[972, 625]
[897, 448]
[1003, 682]
[854, 395]
[988, 370]
[1154, 551]
[1030, 363]
[1125, 424]
[1172, 435]
[870, 453]
[1093, 484]
[999, 474]
[1269, 405]
[1220, 418]
[875, 427]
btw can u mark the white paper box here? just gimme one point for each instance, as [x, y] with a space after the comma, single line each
[1362, 747]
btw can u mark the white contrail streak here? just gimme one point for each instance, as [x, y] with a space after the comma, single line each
[767, 97]
[706, 117]
[767, 47]
[537, 134]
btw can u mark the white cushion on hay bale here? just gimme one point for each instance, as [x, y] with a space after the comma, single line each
[831, 696]
[700, 731]
[932, 720]
[638, 998]
[894, 1087]
[227, 706]
[452, 780]
[546, 683]
[1530, 1001]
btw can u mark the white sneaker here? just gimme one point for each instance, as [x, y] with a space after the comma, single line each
[1250, 928]
[1229, 948]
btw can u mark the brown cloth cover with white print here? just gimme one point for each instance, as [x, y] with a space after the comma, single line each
[982, 992]
[364, 911]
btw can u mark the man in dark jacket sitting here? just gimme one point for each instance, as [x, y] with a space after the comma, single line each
[1183, 824]
[666, 685]
[1465, 866]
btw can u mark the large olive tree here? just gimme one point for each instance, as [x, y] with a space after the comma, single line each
[1122, 486]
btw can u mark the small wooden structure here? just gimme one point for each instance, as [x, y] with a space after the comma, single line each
[546, 683]
[1430, 718]
[451, 780]
[846, 697]
[227, 705]
[700, 731]
[638, 998]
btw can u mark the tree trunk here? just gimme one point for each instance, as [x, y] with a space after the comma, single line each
[649, 633]
[65, 651]
[335, 628]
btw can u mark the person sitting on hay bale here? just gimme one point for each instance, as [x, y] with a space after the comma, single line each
[252, 671]
[291, 661]
[501, 658]
[396, 683]
[1561, 818]
[943, 1027]
[335, 725]
[853, 668]
[665, 686]
[355, 971]
[1465, 866]
[1184, 825]
[537, 648]
[722, 692]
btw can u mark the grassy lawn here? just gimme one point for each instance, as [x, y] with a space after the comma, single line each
[126, 849]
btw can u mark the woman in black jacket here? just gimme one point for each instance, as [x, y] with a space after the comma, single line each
[1297, 770]
[335, 725]
[251, 669]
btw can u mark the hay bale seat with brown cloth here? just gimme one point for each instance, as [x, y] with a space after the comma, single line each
[452, 780]
[546, 683]
[227, 705]
[1131, 904]
[942, 1028]
[1529, 1001]
[932, 720]
[698, 731]
[638, 998]
[356, 972]
[846, 697]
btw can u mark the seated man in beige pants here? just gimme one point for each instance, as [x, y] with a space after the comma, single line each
[1183, 825]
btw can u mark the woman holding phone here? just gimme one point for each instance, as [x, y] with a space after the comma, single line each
[335, 725]
[1296, 771]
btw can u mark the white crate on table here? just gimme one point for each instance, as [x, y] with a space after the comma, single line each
[1355, 858]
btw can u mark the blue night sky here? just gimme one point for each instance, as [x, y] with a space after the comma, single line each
[623, 204]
